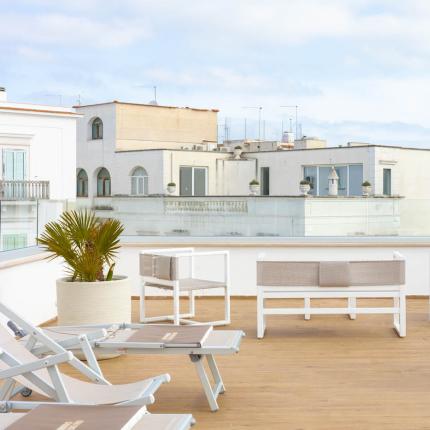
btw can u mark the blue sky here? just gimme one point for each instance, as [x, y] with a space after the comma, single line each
[358, 69]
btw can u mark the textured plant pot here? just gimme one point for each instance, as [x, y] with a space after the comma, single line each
[366, 190]
[254, 190]
[171, 189]
[304, 189]
[94, 302]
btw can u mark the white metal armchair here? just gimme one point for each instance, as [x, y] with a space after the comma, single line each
[164, 269]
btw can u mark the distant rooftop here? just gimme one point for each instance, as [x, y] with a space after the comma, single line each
[146, 104]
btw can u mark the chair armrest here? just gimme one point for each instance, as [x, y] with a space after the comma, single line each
[164, 250]
[203, 253]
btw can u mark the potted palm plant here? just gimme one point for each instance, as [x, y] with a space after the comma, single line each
[254, 187]
[305, 187]
[90, 293]
[366, 188]
[171, 187]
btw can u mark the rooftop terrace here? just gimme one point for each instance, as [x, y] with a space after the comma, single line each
[326, 373]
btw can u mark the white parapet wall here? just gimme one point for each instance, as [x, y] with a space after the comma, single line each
[28, 283]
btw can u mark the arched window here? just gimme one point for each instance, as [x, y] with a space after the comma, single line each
[103, 183]
[139, 182]
[82, 183]
[97, 129]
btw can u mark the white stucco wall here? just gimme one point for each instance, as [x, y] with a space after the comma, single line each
[50, 140]
[29, 288]
[286, 167]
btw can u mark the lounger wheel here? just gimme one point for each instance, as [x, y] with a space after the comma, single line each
[26, 392]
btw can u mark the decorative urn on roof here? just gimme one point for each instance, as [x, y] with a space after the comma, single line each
[333, 182]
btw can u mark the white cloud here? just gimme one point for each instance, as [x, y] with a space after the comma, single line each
[59, 29]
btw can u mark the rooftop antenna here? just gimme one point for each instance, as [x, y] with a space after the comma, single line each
[296, 108]
[260, 108]
[154, 88]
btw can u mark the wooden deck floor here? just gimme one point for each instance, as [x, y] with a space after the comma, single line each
[327, 373]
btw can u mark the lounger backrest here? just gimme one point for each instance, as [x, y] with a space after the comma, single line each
[159, 266]
[17, 349]
[307, 273]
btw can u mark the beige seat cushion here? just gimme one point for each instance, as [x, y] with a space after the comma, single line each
[334, 274]
[190, 284]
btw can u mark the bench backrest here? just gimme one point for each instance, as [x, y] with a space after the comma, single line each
[307, 273]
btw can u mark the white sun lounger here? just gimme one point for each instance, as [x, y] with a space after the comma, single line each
[20, 367]
[115, 341]
[145, 422]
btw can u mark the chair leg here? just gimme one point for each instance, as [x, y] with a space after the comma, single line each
[227, 315]
[176, 316]
[142, 301]
[261, 323]
[402, 315]
[352, 303]
[307, 301]
[191, 304]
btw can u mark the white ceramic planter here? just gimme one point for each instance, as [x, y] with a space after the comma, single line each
[237, 153]
[254, 190]
[94, 302]
[366, 190]
[171, 189]
[304, 189]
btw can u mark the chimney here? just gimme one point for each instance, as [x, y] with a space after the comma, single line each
[3, 94]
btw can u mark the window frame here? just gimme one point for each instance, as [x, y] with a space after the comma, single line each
[97, 129]
[137, 179]
[336, 166]
[206, 169]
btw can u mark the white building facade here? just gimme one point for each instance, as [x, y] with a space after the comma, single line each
[38, 168]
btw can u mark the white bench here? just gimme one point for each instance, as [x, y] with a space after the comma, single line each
[303, 280]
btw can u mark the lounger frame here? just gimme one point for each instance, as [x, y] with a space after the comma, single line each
[198, 356]
[60, 354]
[307, 293]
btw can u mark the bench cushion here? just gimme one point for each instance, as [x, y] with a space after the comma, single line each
[334, 274]
[307, 273]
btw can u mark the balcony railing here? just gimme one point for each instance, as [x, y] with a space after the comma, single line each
[24, 190]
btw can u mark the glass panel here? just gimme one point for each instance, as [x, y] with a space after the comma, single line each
[186, 181]
[310, 174]
[387, 182]
[140, 185]
[8, 165]
[265, 181]
[99, 187]
[323, 180]
[145, 185]
[14, 165]
[14, 241]
[342, 172]
[199, 181]
[133, 185]
[355, 179]
[107, 187]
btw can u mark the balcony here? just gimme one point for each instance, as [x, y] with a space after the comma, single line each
[24, 190]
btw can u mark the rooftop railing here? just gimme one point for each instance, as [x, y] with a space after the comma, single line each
[24, 190]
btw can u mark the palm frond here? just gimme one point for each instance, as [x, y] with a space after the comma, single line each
[86, 244]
